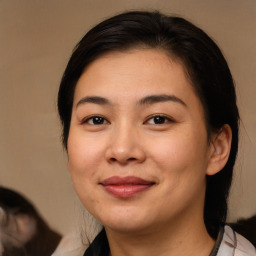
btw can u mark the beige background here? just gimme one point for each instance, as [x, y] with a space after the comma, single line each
[36, 39]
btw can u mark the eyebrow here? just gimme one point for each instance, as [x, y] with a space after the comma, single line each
[160, 98]
[151, 99]
[93, 99]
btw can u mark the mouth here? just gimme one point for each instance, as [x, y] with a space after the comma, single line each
[125, 187]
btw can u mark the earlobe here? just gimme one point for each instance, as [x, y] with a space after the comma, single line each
[220, 149]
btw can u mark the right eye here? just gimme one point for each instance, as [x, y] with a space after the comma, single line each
[95, 120]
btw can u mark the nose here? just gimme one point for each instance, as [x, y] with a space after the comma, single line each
[124, 147]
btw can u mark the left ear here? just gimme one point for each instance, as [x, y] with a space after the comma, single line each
[220, 149]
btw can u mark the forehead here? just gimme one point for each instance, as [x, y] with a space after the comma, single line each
[136, 70]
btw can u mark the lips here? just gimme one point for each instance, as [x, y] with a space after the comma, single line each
[125, 187]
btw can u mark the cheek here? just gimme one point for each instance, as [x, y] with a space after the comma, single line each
[84, 154]
[182, 164]
[169, 150]
[83, 159]
[180, 153]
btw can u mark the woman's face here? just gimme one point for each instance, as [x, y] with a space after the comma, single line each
[138, 147]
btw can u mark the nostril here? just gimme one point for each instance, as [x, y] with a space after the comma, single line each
[131, 159]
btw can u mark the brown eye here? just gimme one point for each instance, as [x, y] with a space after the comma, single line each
[158, 119]
[95, 120]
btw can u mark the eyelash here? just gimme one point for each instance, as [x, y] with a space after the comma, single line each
[101, 120]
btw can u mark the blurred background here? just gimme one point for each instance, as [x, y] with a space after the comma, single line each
[36, 40]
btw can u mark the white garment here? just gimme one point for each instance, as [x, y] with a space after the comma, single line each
[233, 244]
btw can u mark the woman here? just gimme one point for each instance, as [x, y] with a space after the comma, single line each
[150, 124]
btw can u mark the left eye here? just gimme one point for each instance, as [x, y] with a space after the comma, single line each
[159, 119]
[95, 120]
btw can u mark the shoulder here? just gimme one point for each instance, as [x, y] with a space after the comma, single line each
[233, 244]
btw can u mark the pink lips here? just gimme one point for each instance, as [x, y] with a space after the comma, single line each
[125, 187]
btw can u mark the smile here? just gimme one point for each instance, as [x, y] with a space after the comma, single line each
[125, 187]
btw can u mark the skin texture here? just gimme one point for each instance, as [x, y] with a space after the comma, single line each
[163, 141]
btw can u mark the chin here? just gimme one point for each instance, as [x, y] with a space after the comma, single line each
[128, 227]
[131, 222]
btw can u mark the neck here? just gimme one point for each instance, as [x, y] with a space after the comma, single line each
[174, 239]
